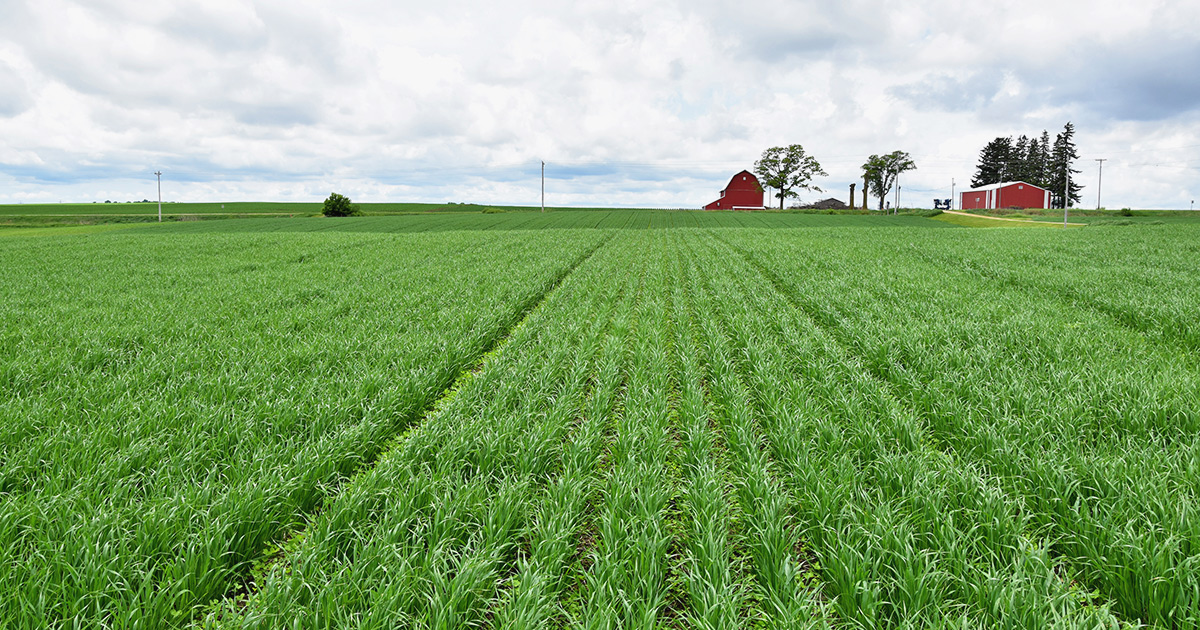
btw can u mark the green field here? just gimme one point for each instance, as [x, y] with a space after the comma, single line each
[609, 419]
[1089, 216]
[229, 208]
[974, 221]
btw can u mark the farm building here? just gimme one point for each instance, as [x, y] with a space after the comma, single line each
[743, 192]
[824, 204]
[1004, 195]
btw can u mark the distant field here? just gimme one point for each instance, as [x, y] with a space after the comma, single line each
[1175, 218]
[62, 230]
[1092, 216]
[151, 209]
[595, 219]
[175, 211]
[440, 219]
[606, 419]
[989, 222]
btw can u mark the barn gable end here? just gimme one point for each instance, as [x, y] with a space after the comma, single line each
[743, 191]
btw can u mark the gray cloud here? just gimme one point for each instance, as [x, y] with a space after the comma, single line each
[948, 93]
[653, 100]
[274, 115]
[780, 31]
[15, 97]
[1140, 83]
[242, 32]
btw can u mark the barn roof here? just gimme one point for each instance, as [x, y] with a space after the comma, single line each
[735, 178]
[1001, 185]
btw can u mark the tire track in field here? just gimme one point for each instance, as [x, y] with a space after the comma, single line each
[829, 327]
[243, 584]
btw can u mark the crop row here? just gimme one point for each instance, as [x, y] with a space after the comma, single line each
[174, 407]
[1131, 276]
[902, 535]
[472, 515]
[524, 220]
[593, 474]
[1087, 429]
[695, 428]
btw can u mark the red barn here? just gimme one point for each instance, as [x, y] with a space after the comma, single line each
[743, 191]
[1004, 195]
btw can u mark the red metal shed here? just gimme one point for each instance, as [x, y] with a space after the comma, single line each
[743, 191]
[1004, 195]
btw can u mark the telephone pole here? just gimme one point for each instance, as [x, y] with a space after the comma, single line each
[1099, 179]
[999, 189]
[158, 174]
[896, 200]
[543, 185]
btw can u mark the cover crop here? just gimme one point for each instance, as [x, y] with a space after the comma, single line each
[174, 406]
[602, 428]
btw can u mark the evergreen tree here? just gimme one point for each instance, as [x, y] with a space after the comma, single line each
[1034, 160]
[1062, 157]
[1037, 161]
[994, 159]
[1045, 164]
[1019, 168]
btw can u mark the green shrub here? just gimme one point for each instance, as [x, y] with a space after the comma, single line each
[339, 206]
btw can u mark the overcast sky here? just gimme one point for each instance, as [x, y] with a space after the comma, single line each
[630, 103]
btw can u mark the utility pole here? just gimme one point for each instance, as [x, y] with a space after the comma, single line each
[951, 193]
[1099, 180]
[158, 174]
[866, 188]
[999, 189]
[543, 185]
[896, 198]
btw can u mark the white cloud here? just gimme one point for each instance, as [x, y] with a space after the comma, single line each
[274, 99]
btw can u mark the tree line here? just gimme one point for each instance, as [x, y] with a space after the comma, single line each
[1034, 161]
[790, 169]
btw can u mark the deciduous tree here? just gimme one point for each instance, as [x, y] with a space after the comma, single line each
[788, 170]
[339, 206]
[881, 172]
